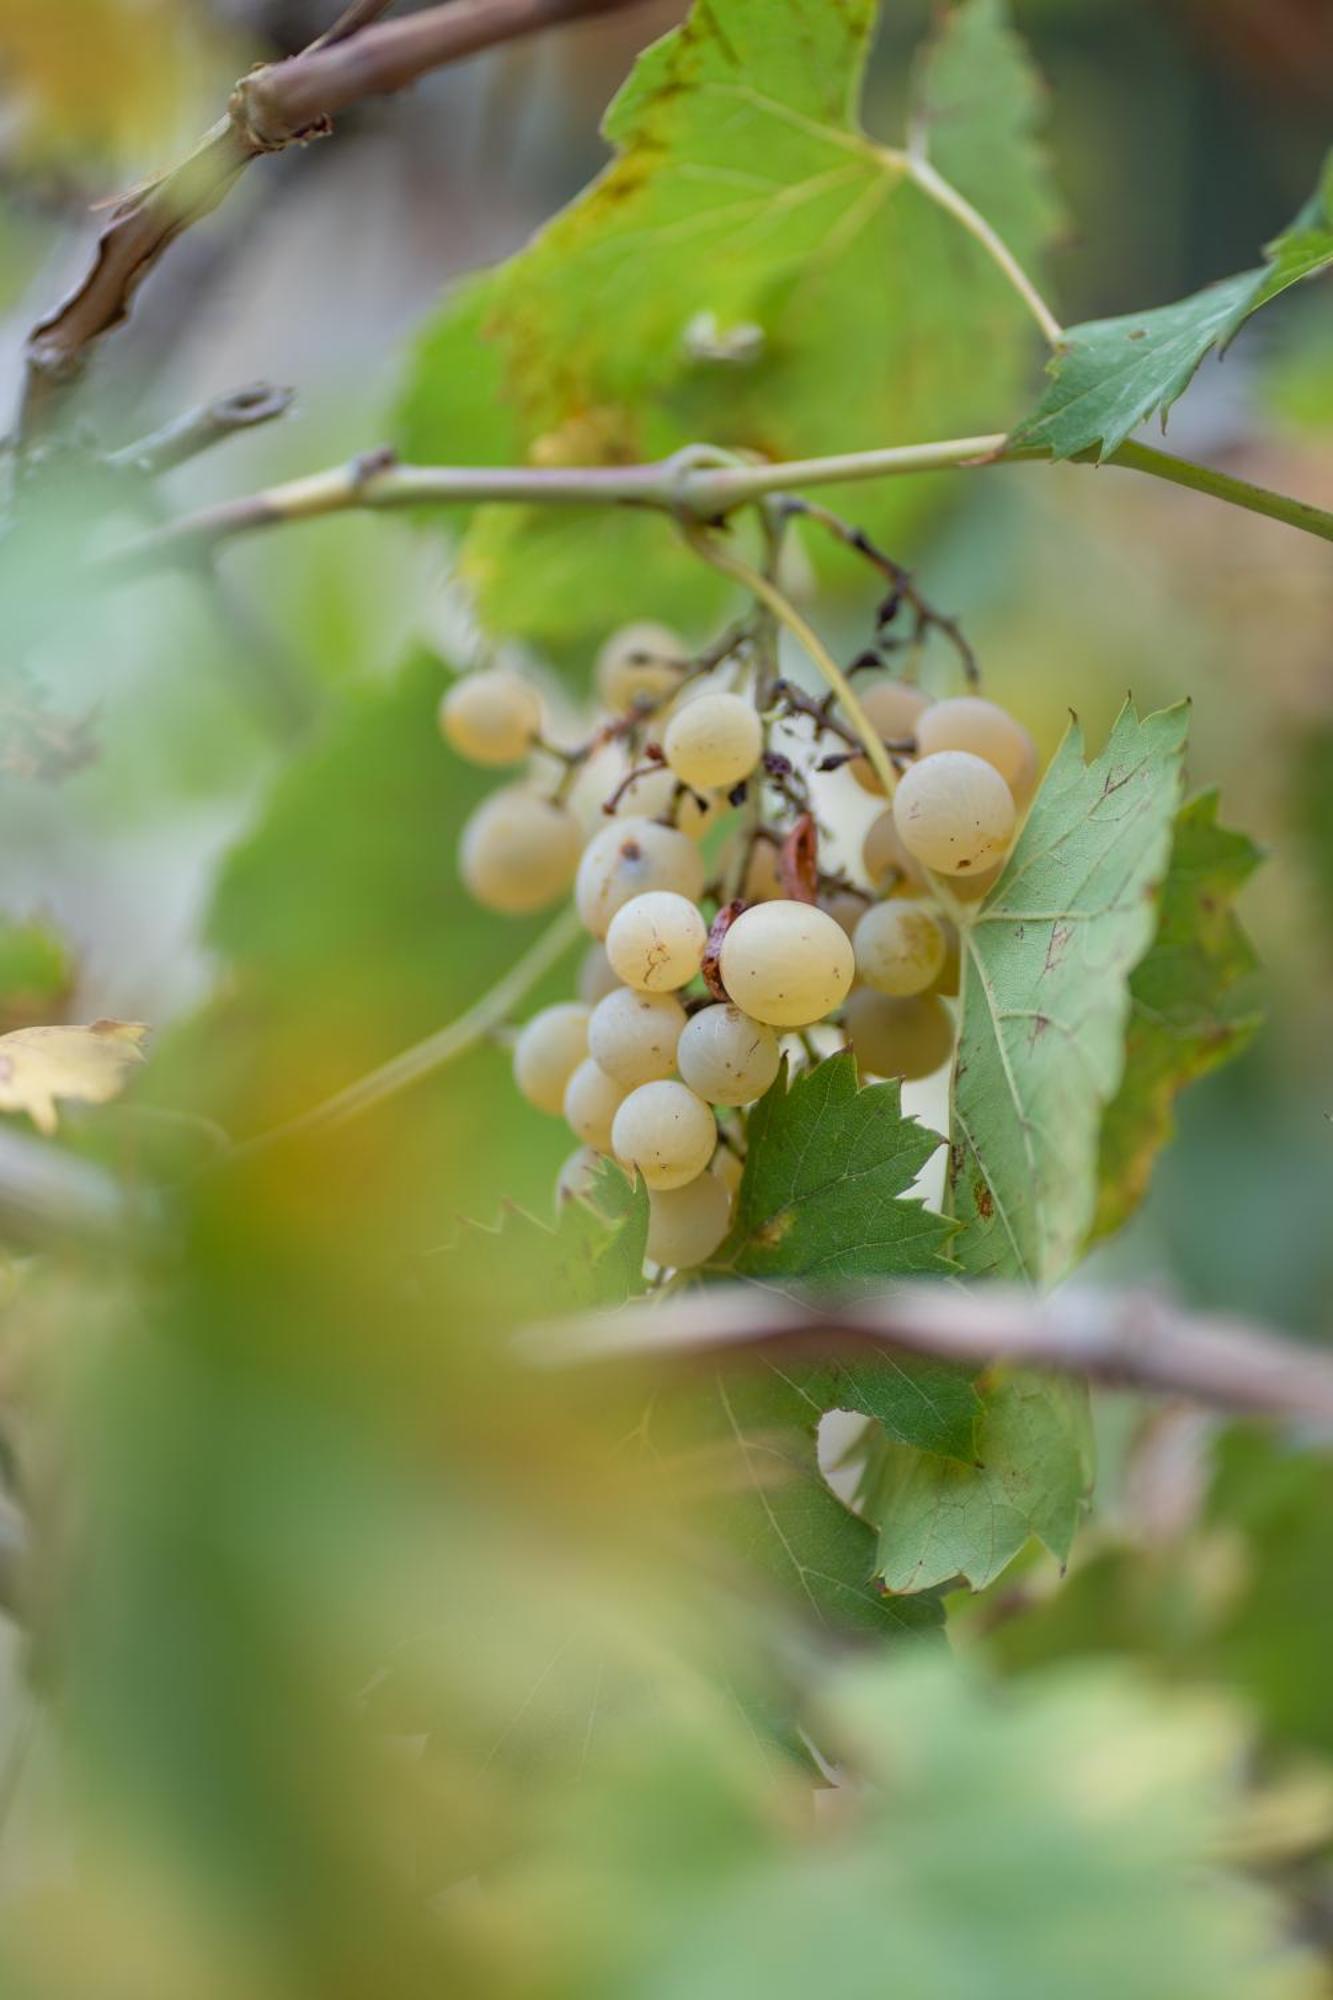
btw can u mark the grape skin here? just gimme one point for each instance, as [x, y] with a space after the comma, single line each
[592, 1099]
[596, 978]
[892, 708]
[886, 861]
[909, 1038]
[633, 1035]
[518, 853]
[664, 1132]
[726, 1057]
[966, 722]
[714, 742]
[628, 857]
[900, 948]
[640, 663]
[786, 963]
[549, 1049]
[954, 812]
[491, 717]
[656, 941]
[686, 1224]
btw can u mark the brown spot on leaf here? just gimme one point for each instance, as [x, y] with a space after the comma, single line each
[984, 1199]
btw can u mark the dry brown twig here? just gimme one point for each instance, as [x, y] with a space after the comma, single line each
[276, 106]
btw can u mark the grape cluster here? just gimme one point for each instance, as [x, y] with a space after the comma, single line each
[716, 939]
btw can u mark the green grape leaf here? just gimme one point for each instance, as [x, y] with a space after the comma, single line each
[1111, 374]
[753, 269]
[593, 1256]
[1184, 1019]
[1045, 997]
[938, 1519]
[822, 1196]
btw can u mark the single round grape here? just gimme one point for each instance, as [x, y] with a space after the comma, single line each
[633, 1035]
[577, 1177]
[491, 716]
[966, 722]
[596, 978]
[627, 857]
[686, 1224]
[656, 941]
[592, 1099]
[899, 948]
[972, 888]
[954, 812]
[729, 1168]
[786, 963]
[892, 708]
[715, 741]
[886, 861]
[639, 664]
[664, 1132]
[906, 1038]
[518, 853]
[549, 1049]
[726, 1057]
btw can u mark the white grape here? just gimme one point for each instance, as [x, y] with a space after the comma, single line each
[640, 664]
[491, 716]
[763, 874]
[954, 812]
[949, 977]
[656, 941]
[657, 794]
[686, 1224]
[518, 853]
[966, 722]
[728, 1168]
[549, 1049]
[625, 858]
[714, 742]
[909, 1038]
[633, 1035]
[664, 1132]
[786, 963]
[892, 709]
[900, 948]
[726, 1057]
[596, 978]
[846, 908]
[592, 1099]
[886, 861]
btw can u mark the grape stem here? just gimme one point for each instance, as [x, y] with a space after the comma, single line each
[475, 1025]
[767, 593]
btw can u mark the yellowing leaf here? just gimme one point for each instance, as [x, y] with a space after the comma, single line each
[39, 1065]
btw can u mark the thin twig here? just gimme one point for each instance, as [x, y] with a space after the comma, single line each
[444, 1046]
[1130, 1339]
[199, 430]
[947, 197]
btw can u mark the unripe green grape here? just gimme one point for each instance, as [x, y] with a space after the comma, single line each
[664, 1132]
[900, 948]
[909, 1038]
[491, 716]
[966, 722]
[726, 1057]
[639, 664]
[596, 978]
[892, 709]
[954, 812]
[892, 870]
[786, 963]
[714, 742]
[686, 1224]
[549, 1049]
[518, 853]
[656, 941]
[627, 857]
[592, 1099]
[633, 1035]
